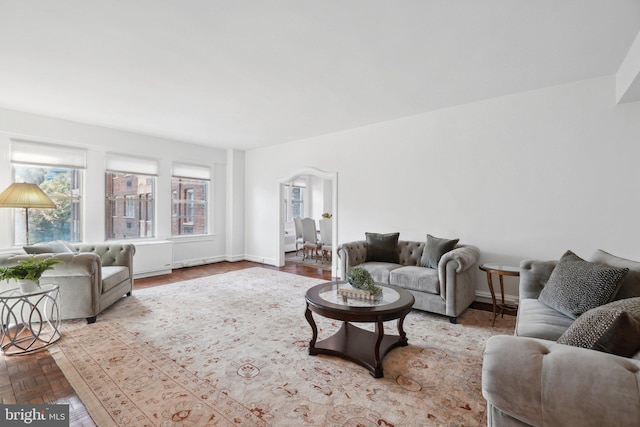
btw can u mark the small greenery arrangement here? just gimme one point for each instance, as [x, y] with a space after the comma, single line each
[30, 269]
[327, 215]
[360, 278]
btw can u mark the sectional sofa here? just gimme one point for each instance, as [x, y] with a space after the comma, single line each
[530, 379]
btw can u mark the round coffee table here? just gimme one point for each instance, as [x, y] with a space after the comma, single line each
[351, 342]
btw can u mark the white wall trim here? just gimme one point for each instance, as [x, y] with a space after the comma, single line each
[485, 296]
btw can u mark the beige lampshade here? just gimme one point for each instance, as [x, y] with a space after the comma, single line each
[23, 195]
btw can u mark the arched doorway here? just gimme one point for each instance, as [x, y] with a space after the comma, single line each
[332, 177]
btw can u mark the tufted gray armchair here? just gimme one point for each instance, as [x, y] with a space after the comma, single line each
[90, 279]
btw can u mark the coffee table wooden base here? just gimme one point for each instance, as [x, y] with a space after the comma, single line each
[357, 345]
[352, 343]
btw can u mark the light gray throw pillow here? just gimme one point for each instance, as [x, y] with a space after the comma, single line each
[434, 249]
[55, 247]
[576, 286]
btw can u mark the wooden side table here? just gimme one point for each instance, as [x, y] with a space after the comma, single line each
[500, 271]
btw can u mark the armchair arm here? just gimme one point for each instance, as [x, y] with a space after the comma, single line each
[533, 276]
[543, 383]
[351, 254]
[73, 274]
[73, 264]
[77, 264]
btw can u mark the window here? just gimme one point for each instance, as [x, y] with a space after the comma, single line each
[130, 188]
[293, 196]
[174, 203]
[57, 170]
[297, 202]
[189, 196]
[131, 206]
[62, 185]
[191, 205]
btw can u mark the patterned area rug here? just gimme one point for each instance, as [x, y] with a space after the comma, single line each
[231, 349]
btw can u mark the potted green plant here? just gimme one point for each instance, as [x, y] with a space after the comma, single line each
[360, 278]
[27, 273]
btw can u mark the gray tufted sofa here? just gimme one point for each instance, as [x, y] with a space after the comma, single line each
[530, 380]
[447, 290]
[90, 279]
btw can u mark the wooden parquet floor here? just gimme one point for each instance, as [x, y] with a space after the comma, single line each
[36, 379]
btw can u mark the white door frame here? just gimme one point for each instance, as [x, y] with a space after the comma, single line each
[331, 176]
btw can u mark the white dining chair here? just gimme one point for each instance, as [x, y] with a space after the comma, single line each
[326, 229]
[310, 237]
[297, 223]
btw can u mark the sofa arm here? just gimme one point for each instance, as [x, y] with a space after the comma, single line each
[351, 254]
[456, 261]
[543, 383]
[533, 276]
[457, 279]
[465, 256]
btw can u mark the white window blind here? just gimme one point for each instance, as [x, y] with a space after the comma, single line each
[34, 153]
[124, 163]
[183, 170]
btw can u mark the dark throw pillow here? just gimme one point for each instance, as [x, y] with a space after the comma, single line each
[382, 247]
[576, 286]
[611, 328]
[55, 247]
[434, 249]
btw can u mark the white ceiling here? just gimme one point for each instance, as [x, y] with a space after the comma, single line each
[250, 73]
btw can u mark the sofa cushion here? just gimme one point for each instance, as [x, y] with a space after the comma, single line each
[382, 247]
[379, 270]
[113, 276]
[612, 328]
[416, 279]
[630, 284]
[434, 249]
[576, 285]
[538, 320]
[54, 247]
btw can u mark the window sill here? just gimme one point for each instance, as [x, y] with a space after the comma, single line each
[192, 238]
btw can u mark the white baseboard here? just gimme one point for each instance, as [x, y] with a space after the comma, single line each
[151, 273]
[197, 261]
[261, 260]
[485, 296]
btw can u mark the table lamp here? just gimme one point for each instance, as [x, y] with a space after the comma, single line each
[24, 195]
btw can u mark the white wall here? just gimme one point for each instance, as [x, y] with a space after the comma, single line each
[523, 176]
[98, 141]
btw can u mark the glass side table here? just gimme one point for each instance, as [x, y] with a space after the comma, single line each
[30, 320]
[500, 271]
